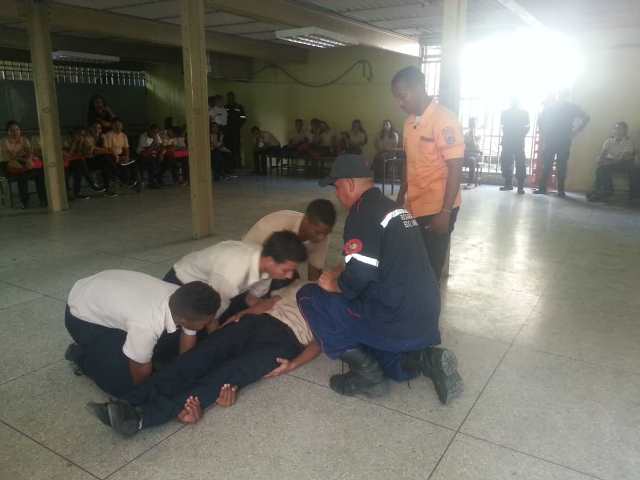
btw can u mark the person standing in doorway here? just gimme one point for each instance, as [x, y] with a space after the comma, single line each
[434, 148]
[558, 128]
[515, 126]
[232, 134]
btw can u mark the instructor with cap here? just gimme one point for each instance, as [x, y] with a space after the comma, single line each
[379, 311]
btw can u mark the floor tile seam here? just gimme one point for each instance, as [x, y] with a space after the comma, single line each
[385, 407]
[126, 257]
[578, 360]
[48, 295]
[30, 372]
[475, 402]
[144, 452]
[527, 454]
[23, 302]
[57, 454]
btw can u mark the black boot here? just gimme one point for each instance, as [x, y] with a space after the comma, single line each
[441, 366]
[74, 355]
[364, 378]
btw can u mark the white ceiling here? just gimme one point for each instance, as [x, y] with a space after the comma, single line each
[414, 18]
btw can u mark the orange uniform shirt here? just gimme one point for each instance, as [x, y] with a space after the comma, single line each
[430, 141]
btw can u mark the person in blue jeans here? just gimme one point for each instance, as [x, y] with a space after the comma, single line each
[379, 311]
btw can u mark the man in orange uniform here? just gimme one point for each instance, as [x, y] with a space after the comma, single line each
[434, 148]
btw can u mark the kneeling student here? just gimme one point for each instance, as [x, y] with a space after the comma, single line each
[116, 318]
[267, 340]
[239, 271]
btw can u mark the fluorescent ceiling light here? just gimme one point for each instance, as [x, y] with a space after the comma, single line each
[315, 37]
[81, 57]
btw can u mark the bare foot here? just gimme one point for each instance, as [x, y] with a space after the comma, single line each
[192, 411]
[227, 397]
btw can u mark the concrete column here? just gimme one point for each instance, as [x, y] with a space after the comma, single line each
[453, 27]
[196, 111]
[47, 104]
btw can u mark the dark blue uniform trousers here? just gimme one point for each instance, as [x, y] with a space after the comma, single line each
[239, 354]
[338, 326]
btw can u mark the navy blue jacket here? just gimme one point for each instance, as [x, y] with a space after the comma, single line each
[388, 276]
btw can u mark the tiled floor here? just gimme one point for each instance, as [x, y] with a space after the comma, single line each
[541, 306]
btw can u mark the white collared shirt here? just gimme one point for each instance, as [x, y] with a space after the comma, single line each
[230, 267]
[134, 302]
[287, 220]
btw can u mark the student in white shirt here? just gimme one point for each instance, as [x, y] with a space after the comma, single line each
[312, 227]
[116, 318]
[618, 154]
[241, 271]
[268, 340]
[217, 113]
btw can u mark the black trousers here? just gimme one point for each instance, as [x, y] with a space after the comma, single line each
[22, 179]
[103, 163]
[261, 156]
[437, 244]
[102, 358]
[603, 183]
[513, 153]
[233, 141]
[238, 354]
[560, 155]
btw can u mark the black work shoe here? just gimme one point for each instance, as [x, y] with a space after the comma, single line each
[74, 354]
[441, 365]
[123, 418]
[520, 191]
[540, 191]
[561, 194]
[351, 384]
[100, 411]
[506, 188]
[365, 378]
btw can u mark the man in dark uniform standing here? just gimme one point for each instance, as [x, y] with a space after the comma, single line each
[557, 125]
[515, 126]
[379, 311]
[232, 134]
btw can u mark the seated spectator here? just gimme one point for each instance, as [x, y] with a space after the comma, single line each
[99, 157]
[117, 142]
[151, 152]
[357, 137]
[19, 163]
[217, 113]
[74, 151]
[220, 154]
[618, 154]
[472, 152]
[266, 144]
[101, 113]
[387, 145]
[298, 140]
[324, 142]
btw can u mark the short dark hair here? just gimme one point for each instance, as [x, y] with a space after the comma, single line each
[322, 211]
[10, 124]
[153, 126]
[194, 300]
[255, 128]
[410, 76]
[284, 246]
[623, 124]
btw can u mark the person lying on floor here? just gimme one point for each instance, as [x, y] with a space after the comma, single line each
[240, 272]
[312, 227]
[267, 340]
[117, 318]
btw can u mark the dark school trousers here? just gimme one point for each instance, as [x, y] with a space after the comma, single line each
[239, 354]
[338, 326]
[102, 359]
[437, 244]
[558, 153]
[513, 152]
